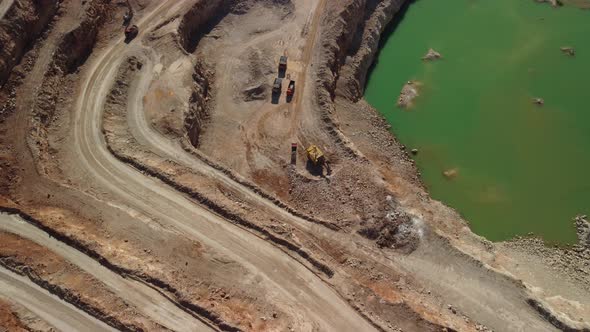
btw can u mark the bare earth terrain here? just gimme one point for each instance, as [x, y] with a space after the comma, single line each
[147, 182]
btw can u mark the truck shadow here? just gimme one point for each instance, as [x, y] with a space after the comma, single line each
[274, 99]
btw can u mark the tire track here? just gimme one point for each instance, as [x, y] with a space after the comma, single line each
[145, 299]
[46, 306]
[304, 295]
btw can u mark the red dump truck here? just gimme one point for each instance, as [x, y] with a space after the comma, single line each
[131, 32]
[291, 88]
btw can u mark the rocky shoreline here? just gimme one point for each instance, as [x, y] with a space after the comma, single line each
[381, 146]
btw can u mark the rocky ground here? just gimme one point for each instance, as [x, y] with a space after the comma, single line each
[148, 183]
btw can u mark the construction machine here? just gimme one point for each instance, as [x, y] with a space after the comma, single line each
[291, 89]
[317, 158]
[283, 63]
[131, 32]
[315, 155]
[277, 85]
[127, 17]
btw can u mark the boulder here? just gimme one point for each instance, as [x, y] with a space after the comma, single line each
[568, 50]
[431, 55]
[408, 94]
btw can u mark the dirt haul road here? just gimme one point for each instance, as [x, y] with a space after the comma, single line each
[290, 284]
[279, 280]
[502, 295]
[4, 7]
[151, 303]
[46, 306]
[505, 298]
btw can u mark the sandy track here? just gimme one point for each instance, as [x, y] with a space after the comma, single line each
[4, 7]
[488, 296]
[46, 306]
[145, 299]
[299, 102]
[304, 295]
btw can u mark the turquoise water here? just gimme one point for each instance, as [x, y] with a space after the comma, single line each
[520, 167]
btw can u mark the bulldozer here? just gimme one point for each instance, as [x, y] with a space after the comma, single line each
[317, 157]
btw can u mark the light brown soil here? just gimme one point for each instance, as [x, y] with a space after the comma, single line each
[62, 278]
[9, 320]
[167, 160]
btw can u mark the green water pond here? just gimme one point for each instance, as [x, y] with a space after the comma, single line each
[519, 167]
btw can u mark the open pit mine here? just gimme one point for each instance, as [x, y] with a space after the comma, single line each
[212, 165]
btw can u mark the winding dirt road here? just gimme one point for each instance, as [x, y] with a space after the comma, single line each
[300, 292]
[147, 300]
[503, 297]
[4, 7]
[46, 306]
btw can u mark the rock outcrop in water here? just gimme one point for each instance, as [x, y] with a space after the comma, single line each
[583, 230]
[554, 3]
[431, 55]
[408, 94]
[538, 101]
[568, 50]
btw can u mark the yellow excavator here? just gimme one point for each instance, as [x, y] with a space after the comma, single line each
[317, 157]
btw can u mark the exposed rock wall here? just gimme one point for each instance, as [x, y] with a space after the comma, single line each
[365, 46]
[77, 44]
[336, 40]
[351, 33]
[353, 40]
[203, 15]
[72, 50]
[206, 14]
[22, 23]
[198, 103]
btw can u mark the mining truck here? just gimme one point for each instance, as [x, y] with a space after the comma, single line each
[283, 63]
[291, 89]
[127, 17]
[277, 86]
[131, 32]
[293, 153]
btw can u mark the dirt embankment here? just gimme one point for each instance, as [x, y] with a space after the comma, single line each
[137, 264]
[363, 47]
[203, 16]
[226, 313]
[23, 22]
[72, 50]
[198, 103]
[234, 207]
[350, 27]
[70, 283]
[370, 134]
[9, 319]
[349, 46]
[193, 26]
